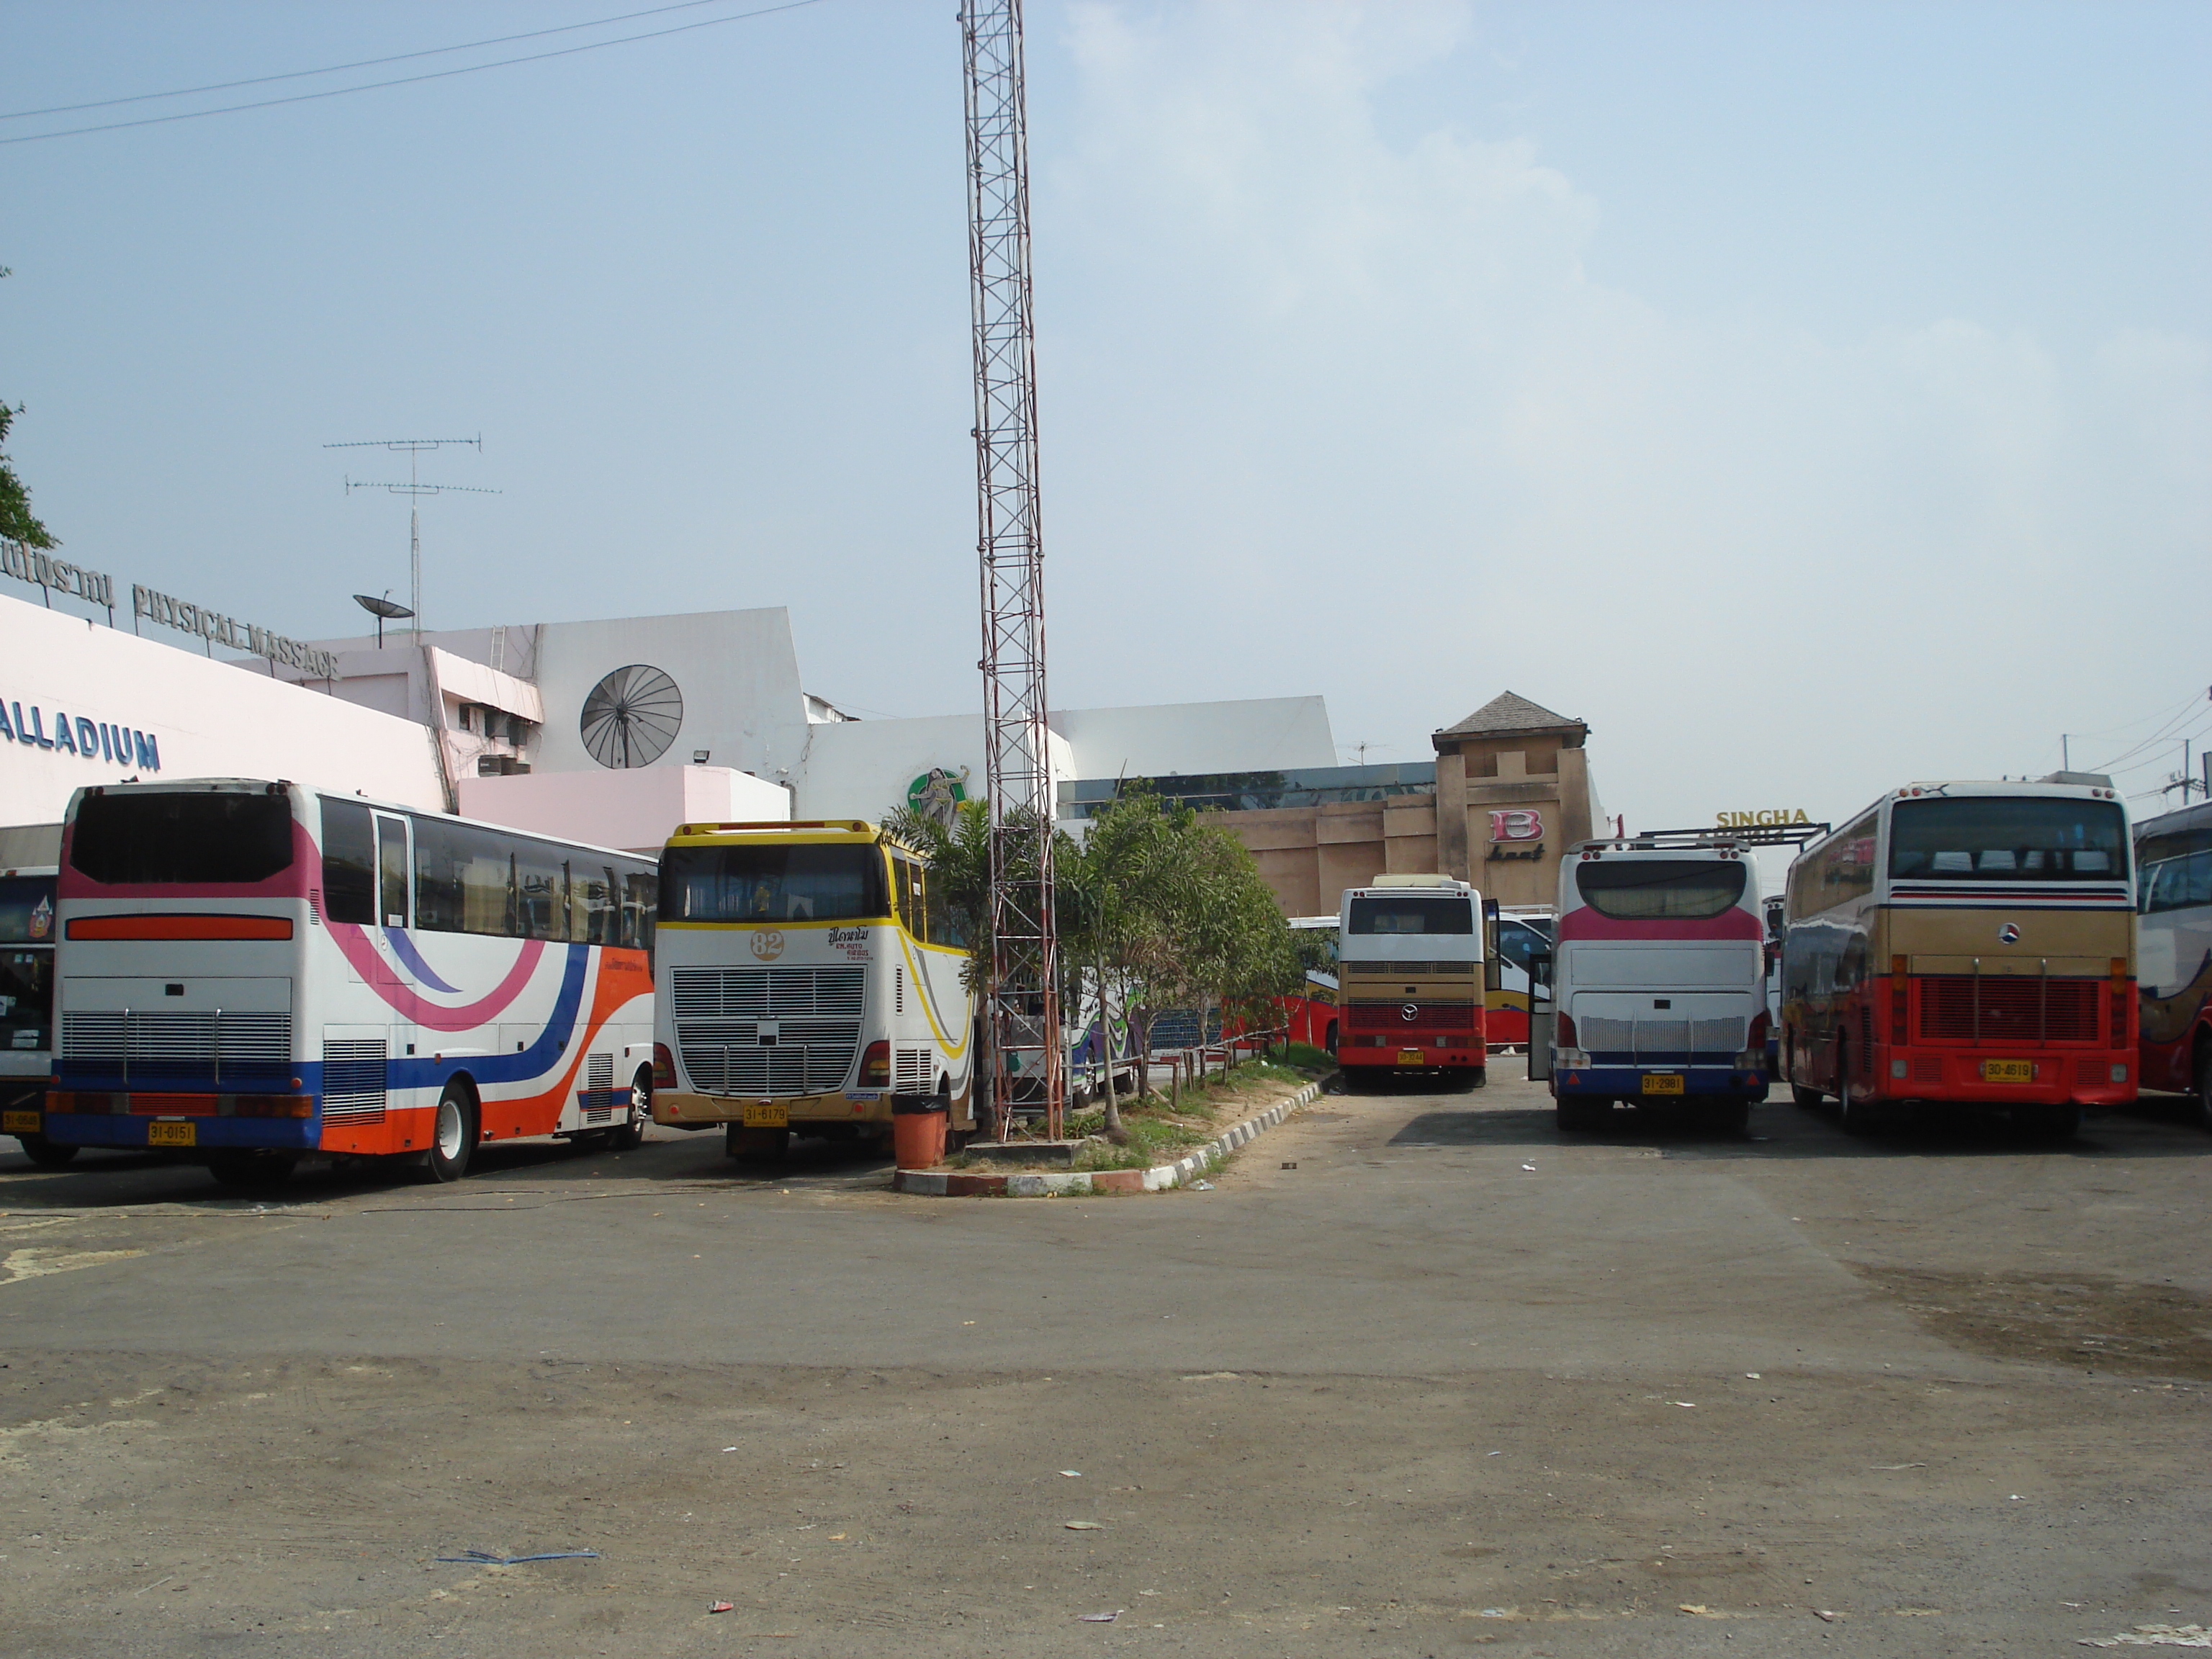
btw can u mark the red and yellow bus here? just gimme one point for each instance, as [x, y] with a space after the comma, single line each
[1965, 942]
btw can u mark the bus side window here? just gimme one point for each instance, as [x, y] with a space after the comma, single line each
[349, 863]
[641, 908]
[906, 880]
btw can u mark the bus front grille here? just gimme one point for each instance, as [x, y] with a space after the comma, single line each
[767, 993]
[2011, 1008]
[807, 1057]
[182, 1049]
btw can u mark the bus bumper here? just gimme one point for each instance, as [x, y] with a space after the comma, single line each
[2094, 1077]
[1627, 1082]
[182, 1122]
[676, 1110]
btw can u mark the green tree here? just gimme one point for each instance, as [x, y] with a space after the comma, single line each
[1123, 889]
[16, 523]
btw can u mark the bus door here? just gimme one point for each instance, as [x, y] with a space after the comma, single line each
[395, 910]
[1542, 1027]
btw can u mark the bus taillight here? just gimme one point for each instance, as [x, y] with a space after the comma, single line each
[1754, 1057]
[1566, 1032]
[664, 1066]
[876, 1067]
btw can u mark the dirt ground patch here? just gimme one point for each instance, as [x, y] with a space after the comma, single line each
[2099, 1324]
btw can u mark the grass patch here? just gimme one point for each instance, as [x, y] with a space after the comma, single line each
[1161, 1130]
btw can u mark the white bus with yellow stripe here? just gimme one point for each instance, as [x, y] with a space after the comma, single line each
[806, 983]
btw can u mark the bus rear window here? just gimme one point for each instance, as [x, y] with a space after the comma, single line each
[1660, 889]
[1413, 915]
[819, 882]
[1989, 838]
[184, 838]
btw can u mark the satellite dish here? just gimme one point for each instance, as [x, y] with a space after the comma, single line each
[631, 717]
[384, 610]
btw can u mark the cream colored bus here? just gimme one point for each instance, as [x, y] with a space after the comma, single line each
[806, 984]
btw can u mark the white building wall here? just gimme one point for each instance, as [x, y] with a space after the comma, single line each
[637, 809]
[863, 769]
[206, 718]
[1253, 734]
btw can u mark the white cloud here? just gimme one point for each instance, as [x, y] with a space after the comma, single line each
[1312, 378]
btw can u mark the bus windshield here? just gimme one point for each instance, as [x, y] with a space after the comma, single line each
[756, 882]
[1660, 889]
[196, 836]
[1989, 838]
[1412, 915]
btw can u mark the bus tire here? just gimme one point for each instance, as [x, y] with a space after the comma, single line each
[251, 1171]
[453, 1134]
[1858, 1117]
[1798, 1092]
[2200, 1086]
[629, 1136]
[46, 1154]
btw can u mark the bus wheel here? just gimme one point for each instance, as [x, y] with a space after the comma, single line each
[2200, 1080]
[629, 1136]
[1798, 1092]
[51, 1155]
[453, 1137]
[251, 1171]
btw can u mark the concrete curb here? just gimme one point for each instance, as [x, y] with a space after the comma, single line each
[945, 1183]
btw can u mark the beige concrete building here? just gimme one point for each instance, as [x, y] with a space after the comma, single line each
[1507, 792]
[1513, 793]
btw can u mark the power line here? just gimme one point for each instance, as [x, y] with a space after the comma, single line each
[364, 62]
[2166, 731]
[410, 80]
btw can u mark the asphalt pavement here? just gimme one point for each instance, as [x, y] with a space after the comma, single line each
[1418, 1375]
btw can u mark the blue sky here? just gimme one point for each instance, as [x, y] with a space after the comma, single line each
[1810, 396]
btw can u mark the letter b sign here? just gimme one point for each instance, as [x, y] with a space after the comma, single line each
[1516, 823]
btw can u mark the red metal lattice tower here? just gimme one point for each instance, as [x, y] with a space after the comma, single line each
[1023, 997]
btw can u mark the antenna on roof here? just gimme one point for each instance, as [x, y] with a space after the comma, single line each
[414, 489]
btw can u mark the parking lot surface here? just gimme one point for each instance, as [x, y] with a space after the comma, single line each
[1419, 1375]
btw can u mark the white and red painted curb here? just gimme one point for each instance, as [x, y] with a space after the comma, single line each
[964, 1183]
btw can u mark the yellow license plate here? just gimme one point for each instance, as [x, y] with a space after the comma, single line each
[19, 1123]
[1663, 1083]
[1409, 1056]
[2008, 1071]
[173, 1134]
[768, 1115]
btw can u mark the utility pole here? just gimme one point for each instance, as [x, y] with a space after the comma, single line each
[1024, 993]
[415, 489]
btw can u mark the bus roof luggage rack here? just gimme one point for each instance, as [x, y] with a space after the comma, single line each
[1765, 834]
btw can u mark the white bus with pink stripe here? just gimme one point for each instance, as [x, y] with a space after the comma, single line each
[252, 972]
